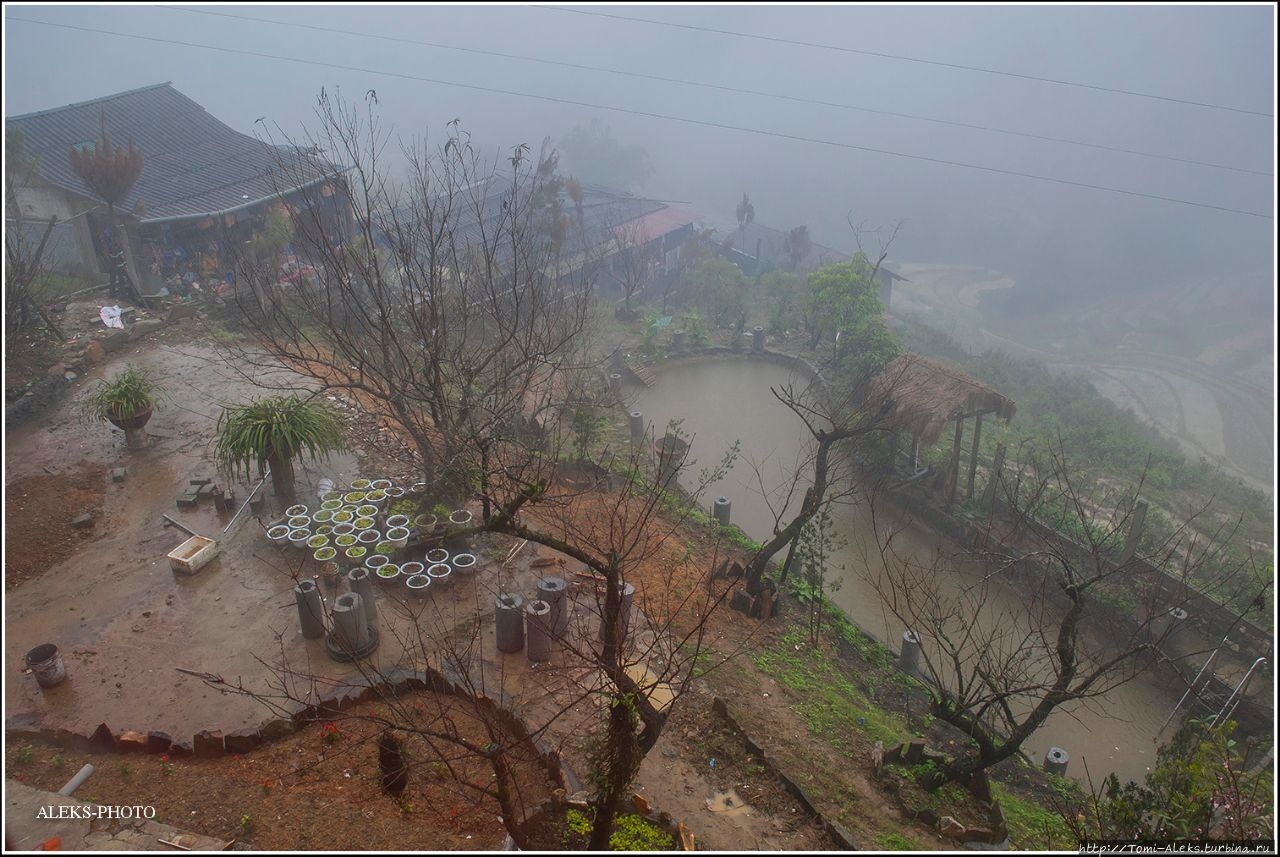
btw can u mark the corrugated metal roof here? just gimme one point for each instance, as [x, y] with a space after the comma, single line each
[194, 164]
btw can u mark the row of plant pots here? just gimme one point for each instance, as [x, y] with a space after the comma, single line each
[301, 529]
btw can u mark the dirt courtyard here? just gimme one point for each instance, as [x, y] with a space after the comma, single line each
[124, 621]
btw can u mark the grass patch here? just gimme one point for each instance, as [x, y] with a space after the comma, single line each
[895, 842]
[832, 707]
[1031, 826]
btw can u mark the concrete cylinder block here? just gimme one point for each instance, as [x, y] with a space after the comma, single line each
[1055, 761]
[310, 609]
[615, 383]
[909, 657]
[679, 341]
[637, 427]
[554, 591]
[538, 634]
[509, 621]
[627, 596]
[350, 629]
[720, 509]
[757, 340]
[361, 582]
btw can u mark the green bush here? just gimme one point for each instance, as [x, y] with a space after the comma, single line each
[634, 833]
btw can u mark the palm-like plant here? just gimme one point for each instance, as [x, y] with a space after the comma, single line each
[125, 401]
[272, 432]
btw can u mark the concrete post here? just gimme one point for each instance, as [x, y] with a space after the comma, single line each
[1055, 761]
[553, 591]
[615, 383]
[624, 611]
[538, 633]
[509, 622]
[361, 582]
[1136, 526]
[757, 340]
[721, 508]
[909, 658]
[310, 609]
[350, 630]
[637, 427]
[678, 338]
[628, 595]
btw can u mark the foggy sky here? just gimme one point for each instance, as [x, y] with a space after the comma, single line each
[1063, 235]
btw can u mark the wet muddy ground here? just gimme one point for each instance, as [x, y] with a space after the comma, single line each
[123, 620]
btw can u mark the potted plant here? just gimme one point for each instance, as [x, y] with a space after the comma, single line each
[126, 402]
[272, 432]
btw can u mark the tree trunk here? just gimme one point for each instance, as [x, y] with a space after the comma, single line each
[512, 816]
[624, 761]
[281, 477]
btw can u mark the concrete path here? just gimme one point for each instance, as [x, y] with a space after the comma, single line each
[26, 830]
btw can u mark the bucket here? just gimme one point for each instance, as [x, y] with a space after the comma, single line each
[47, 665]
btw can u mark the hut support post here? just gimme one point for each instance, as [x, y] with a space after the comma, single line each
[953, 469]
[988, 501]
[973, 455]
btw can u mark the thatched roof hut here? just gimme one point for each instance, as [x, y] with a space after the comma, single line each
[921, 396]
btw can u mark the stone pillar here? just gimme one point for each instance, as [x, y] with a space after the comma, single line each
[678, 338]
[637, 427]
[509, 621]
[1055, 761]
[310, 609]
[721, 508]
[553, 591]
[615, 383]
[909, 657]
[757, 339]
[1136, 525]
[538, 632]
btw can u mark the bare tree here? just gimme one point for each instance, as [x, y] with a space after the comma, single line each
[449, 313]
[997, 672]
[797, 245]
[746, 215]
[25, 260]
[446, 312]
[633, 263]
[110, 172]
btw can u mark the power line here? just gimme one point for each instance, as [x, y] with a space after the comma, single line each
[901, 58]
[721, 88]
[651, 115]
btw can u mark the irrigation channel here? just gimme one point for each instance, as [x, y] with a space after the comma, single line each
[726, 399]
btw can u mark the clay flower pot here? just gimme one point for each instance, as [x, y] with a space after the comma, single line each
[134, 422]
